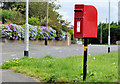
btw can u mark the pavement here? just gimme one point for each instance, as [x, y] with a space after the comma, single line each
[9, 76]
[15, 50]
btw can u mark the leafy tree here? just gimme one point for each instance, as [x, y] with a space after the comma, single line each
[38, 10]
[114, 33]
[6, 14]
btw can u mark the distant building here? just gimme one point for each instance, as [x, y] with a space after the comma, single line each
[119, 12]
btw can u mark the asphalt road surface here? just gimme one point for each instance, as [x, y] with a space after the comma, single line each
[14, 50]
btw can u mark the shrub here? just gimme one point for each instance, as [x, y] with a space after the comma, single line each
[7, 14]
[12, 16]
[71, 33]
[34, 21]
[13, 31]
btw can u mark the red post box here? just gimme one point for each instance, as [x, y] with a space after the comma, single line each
[85, 21]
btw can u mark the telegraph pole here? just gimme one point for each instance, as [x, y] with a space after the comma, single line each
[101, 34]
[26, 37]
[109, 31]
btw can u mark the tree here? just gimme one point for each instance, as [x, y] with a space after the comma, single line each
[114, 33]
[38, 10]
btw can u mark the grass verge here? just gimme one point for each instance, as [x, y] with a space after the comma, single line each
[101, 68]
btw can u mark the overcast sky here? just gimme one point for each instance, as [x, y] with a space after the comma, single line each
[67, 9]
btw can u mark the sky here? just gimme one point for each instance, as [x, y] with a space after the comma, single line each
[67, 9]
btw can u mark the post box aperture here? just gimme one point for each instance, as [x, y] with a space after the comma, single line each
[85, 21]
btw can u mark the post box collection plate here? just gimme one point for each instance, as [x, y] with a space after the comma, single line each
[78, 26]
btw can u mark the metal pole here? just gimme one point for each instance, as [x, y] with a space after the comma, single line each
[101, 35]
[46, 21]
[109, 30]
[47, 15]
[85, 60]
[106, 22]
[26, 39]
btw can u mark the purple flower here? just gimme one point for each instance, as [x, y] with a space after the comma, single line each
[2, 31]
[47, 35]
[14, 29]
[18, 32]
[13, 37]
[43, 37]
[8, 33]
[17, 37]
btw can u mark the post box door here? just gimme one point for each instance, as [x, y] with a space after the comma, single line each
[78, 22]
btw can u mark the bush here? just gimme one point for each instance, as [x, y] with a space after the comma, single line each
[12, 16]
[7, 14]
[13, 31]
[18, 19]
[34, 21]
[71, 33]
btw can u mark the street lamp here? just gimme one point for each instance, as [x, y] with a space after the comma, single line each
[47, 20]
[47, 14]
[101, 34]
[26, 38]
[109, 31]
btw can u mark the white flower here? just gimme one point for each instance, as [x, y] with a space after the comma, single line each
[94, 58]
[16, 58]
[13, 58]
[7, 61]
[113, 62]
[89, 54]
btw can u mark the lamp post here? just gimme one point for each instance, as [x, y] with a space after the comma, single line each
[101, 34]
[46, 21]
[26, 37]
[47, 15]
[109, 31]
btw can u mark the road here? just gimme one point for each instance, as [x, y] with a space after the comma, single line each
[13, 50]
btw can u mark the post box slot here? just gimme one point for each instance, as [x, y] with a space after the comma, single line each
[78, 10]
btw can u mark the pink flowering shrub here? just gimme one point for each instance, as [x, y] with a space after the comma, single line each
[13, 31]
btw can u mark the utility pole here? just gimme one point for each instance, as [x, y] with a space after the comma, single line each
[26, 37]
[109, 31]
[101, 34]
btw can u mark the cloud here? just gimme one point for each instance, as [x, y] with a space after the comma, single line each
[65, 15]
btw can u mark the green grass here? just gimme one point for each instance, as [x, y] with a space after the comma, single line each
[101, 68]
